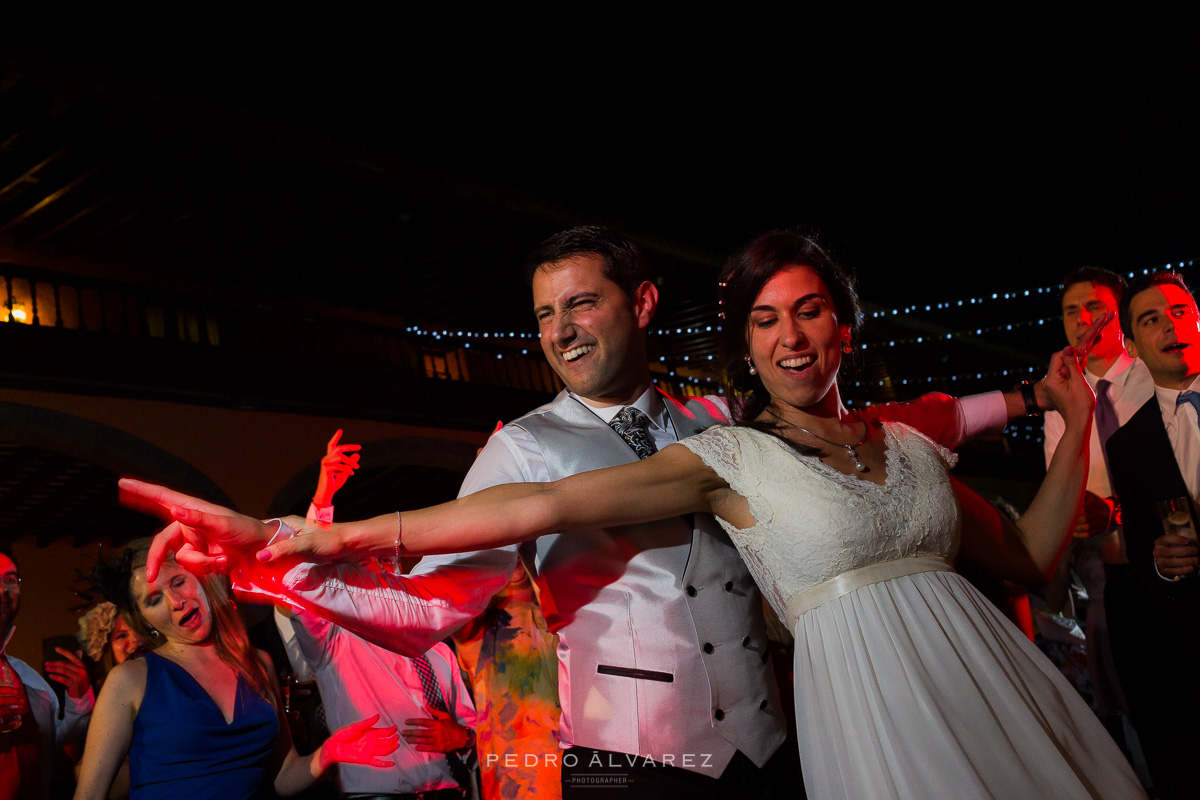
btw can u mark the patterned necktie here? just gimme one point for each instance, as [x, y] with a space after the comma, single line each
[429, 684]
[1192, 399]
[433, 698]
[1106, 416]
[634, 427]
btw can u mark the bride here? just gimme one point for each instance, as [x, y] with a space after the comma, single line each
[908, 682]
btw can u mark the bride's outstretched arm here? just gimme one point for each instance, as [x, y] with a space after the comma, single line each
[672, 482]
[1028, 551]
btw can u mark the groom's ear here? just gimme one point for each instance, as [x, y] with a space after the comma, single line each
[645, 303]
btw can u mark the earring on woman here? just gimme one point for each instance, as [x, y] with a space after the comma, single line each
[154, 632]
[750, 365]
[846, 348]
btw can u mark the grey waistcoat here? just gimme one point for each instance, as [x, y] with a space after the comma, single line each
[662, 649]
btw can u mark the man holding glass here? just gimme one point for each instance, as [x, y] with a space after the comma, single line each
[1153, 458]
[30, 729]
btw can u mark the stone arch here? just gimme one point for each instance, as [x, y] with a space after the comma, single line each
[105, 446]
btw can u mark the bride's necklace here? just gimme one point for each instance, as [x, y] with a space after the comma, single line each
[849, 448]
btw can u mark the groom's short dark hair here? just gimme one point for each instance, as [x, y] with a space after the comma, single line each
[623, 262]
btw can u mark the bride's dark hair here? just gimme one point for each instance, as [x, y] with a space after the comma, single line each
[744, 275]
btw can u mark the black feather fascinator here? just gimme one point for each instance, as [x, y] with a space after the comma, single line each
[111, 578]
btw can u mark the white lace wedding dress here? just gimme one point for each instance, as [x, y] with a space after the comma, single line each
[913, 686]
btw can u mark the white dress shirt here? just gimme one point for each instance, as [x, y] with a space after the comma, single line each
[1182, 431]
[1131, 386]
[53, 732]
[357, 680]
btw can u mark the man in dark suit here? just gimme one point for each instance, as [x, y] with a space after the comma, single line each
[1155, 456]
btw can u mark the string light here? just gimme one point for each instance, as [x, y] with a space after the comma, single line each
[1024, 433]
[672, 365]
[446, 338]
[419, 331]
[965, 376]
[941, 337]
[892, 312]
[966, 301]
[1002, 296]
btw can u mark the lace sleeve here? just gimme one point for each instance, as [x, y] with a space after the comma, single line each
[948, 458]
[719, 449]
[732, 453]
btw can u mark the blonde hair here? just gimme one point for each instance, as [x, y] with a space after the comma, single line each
[228, 634]
[95, 628]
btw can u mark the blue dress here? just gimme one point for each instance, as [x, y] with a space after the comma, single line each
[182, 746]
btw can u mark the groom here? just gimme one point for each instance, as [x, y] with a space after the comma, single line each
[665, 684]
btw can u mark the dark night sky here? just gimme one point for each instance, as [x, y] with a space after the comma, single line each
[1014, 147]
[985, 150]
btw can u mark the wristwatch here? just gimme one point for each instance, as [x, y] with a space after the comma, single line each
[1032, 409]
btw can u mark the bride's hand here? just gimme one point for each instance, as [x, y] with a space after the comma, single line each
[1067, 389]
[204, 536]
[314, 541]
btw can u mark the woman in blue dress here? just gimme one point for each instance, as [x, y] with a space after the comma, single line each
[200, 715]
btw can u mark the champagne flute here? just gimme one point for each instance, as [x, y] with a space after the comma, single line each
[8, 679]
[1176, 515]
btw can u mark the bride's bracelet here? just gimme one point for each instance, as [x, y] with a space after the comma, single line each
[400, 529]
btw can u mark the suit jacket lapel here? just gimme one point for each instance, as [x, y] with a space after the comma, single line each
[1144, 470]
[1152, 454]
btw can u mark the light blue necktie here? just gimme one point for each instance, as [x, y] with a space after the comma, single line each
[1192, 399]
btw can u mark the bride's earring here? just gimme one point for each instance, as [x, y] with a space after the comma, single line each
[750, 365]
[846, 348]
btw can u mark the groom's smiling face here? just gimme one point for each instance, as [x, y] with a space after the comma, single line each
[592, 332]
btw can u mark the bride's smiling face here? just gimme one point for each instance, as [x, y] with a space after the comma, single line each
[794, 338]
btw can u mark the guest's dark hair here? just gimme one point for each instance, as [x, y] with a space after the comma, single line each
[743, 277]
[1093, 275]
[623, 263]
[1141, 284]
